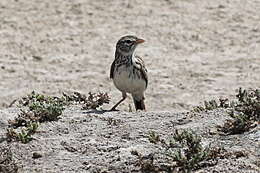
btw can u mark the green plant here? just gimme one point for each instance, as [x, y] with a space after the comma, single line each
[153, 137]
[38, 108]
[245, 112]
[186, 150]
[34, 97]
[239, 124]
[248, 103]
[34, 109]
[212, 104]
[46, 111]
[183, 152]
[146, 163]
[25, 135]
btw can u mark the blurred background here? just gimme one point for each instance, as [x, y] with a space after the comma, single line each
[195, 50]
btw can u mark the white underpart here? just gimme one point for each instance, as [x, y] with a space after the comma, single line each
[126, 81]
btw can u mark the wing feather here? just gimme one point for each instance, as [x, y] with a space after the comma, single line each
[142, 69]
[112, 68]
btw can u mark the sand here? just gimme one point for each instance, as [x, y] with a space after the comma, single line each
[195, 50]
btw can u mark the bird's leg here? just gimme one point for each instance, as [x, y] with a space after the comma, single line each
[120, 101]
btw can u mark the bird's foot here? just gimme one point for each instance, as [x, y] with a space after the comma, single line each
[113, 109]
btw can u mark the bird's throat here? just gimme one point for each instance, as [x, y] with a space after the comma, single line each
[122, 58]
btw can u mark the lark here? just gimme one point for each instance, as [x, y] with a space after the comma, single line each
[128, 71]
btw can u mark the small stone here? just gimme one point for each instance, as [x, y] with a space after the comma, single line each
[36, 155]
[38, 58]
[221, 6]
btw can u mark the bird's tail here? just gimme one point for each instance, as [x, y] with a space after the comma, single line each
[139, 104]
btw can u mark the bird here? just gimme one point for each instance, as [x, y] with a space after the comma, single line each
[128, 71]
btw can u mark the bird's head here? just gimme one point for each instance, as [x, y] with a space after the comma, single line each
[127, 44]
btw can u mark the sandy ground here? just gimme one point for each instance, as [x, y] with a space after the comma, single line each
[95, 142]
[194, 50]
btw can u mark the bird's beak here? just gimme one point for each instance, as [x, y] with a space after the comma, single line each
[138, 41]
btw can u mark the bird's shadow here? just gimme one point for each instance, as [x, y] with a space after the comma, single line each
[98, 111]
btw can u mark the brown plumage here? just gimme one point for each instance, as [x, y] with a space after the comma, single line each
[128, 71]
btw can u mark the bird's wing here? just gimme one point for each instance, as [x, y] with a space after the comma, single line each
[141, 67]
[112, 68]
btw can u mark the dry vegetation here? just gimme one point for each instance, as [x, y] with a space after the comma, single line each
[181, 151]
[37, 108]
[7, 163]
[195, 50]
[92, 101]
[245, 111]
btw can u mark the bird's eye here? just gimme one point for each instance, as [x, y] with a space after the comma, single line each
[128, 41]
